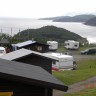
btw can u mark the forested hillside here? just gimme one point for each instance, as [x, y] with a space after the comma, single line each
[48, 33]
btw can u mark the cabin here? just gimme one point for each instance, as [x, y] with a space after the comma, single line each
[31, 57]
[31, 45]
[22, 79]
[71, 44]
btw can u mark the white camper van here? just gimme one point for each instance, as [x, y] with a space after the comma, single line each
[53, 45]
[64, 62]
[71, 44]
[2, 51]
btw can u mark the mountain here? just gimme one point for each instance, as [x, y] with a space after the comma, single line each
[77, 18]
[48, 33]
[91, 22]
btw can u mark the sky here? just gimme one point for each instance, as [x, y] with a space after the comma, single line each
[45, 8]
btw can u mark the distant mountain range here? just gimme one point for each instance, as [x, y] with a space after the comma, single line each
[87, 19]
[91, 22]
[77, 18]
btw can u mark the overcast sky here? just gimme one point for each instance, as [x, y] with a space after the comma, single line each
[45, 8]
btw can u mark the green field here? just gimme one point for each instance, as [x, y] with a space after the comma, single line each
[87, 92]
[85, 70]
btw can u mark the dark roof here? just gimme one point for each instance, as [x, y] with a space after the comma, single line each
[30, 74]
[24, 52]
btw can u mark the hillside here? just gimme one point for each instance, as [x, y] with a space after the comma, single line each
[91, 22]
[77, 18]
[48, 33]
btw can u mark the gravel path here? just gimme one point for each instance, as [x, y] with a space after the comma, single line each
[90, 83]
[76, 87]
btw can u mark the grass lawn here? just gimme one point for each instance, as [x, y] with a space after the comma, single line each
[87, 92]
[85, 70]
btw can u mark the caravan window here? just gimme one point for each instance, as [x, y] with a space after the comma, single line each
[75, 45]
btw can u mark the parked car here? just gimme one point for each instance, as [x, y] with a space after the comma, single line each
[89, 51]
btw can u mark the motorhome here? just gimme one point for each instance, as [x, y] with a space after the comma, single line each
[71, 44]
[53, 45]
[2, 51]
[64, 62]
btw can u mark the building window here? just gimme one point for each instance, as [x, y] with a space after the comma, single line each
[39, 48]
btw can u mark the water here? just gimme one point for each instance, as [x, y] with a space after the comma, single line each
[13, 26]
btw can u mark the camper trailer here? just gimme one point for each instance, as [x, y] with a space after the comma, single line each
[71, 44]
[2, 51]
[64, 62]
[53, 45]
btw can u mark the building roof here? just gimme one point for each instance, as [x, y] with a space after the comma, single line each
[22, 53]
[30, 74]
[24, 43]
[60, 56]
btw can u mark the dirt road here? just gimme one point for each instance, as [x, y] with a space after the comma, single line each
[90, 83]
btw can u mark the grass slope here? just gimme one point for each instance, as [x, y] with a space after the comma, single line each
[86, 69]
[87, 92]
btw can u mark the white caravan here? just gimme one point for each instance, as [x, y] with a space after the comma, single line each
[71, 44]
[64, 62]
[53, 45]
[2, 51]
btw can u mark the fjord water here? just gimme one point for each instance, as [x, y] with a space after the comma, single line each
[13, 26]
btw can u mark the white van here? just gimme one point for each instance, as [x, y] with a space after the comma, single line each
[2, 51]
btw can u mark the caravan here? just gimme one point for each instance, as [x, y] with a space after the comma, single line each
[2, 51]
[64, 62]
[71, 44]
[53, 45]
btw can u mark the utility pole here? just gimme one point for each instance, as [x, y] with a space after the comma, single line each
[11, 35]
[1, 31]
[28, 33]
[19, 35]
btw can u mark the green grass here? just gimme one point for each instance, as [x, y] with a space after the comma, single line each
[87, 92]
[73, 52]
[85, 70]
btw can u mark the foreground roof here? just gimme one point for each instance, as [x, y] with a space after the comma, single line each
[30, 74]
[22, 53]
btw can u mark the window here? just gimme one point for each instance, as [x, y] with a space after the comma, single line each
[39, 48]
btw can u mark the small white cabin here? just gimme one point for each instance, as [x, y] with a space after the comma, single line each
[71, 44]
[2, 51]
[64, 62]
[53, 45]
